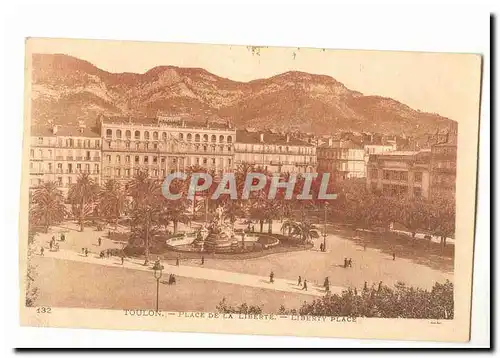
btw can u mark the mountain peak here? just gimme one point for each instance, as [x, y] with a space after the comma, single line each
[67, 87]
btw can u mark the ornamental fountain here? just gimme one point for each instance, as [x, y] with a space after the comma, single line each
[217, 235]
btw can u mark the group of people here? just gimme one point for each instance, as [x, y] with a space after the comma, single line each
[347, 262]
[54, 246]
[322, 247]
[251, 227]
[302, 283]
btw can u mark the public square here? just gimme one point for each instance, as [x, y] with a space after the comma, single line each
[68, 278]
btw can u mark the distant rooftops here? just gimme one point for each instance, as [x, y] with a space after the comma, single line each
[181, 121]
[251, 136]
[63, 131]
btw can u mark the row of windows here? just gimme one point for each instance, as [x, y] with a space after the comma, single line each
[146, 159]
[69, 168]
[155, 136]
[275, 148]
[342, 154]
[395, 175]
[48, 154]
[69, 142]
[173, 147]
[445, 164]
[281, 159]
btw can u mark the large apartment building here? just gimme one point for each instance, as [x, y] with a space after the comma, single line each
[275, 152]
[61, 153]
[344, 159]
[163, 145]
[444, 167]
[400, 173]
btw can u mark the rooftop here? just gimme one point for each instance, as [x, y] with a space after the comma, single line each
[173, 121]
[64, 131]
[246, 136]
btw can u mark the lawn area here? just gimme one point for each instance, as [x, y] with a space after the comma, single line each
[73, 284]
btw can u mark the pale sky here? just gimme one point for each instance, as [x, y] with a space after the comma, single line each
[447, 84]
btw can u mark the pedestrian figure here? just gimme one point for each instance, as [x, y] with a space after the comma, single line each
[321, 247]
[364, 246]
[41, 251]
[393, 256]
[171, 279]
[365, 287]
[203, 260]
[327, 288]
[86, 252]
[99, 241]
[51, 244]
[350, 262]
[299, 282]
[101, 254]
[326, 283]
[305, 285]
[63, 237]
[253, 228]
[380, 286]
[177, 262]
[53, 238]
[345, 262]
[271, 277]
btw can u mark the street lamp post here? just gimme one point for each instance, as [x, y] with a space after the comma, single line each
[157, 272]
[324, 230]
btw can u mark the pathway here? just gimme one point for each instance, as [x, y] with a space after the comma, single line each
[202, 273]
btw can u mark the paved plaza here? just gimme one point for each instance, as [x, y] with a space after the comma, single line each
[246, 279]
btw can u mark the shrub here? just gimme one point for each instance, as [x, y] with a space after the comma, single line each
[377, 301]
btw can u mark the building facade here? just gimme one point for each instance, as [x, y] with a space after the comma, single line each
[163, 145]
[275, 152]
[400, 173]
[61, 153]
[344, 159]
[444, 168]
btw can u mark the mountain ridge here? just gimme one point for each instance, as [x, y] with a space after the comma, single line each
[66, 90]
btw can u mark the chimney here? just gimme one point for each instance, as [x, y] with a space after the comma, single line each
[81, 126]
[54, 129]
[262, 137]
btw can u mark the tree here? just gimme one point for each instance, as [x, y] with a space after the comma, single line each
[111, 204]
[47, 206]
[368, 210]
[146, 210]
[31, 273]
[442, 217]
[303, 229]
[174, 211]
[83, 196]
[413, 213]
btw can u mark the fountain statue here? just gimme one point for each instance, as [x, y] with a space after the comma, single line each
[217, 235]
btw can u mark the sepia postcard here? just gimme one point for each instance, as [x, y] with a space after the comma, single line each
[248, 189]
